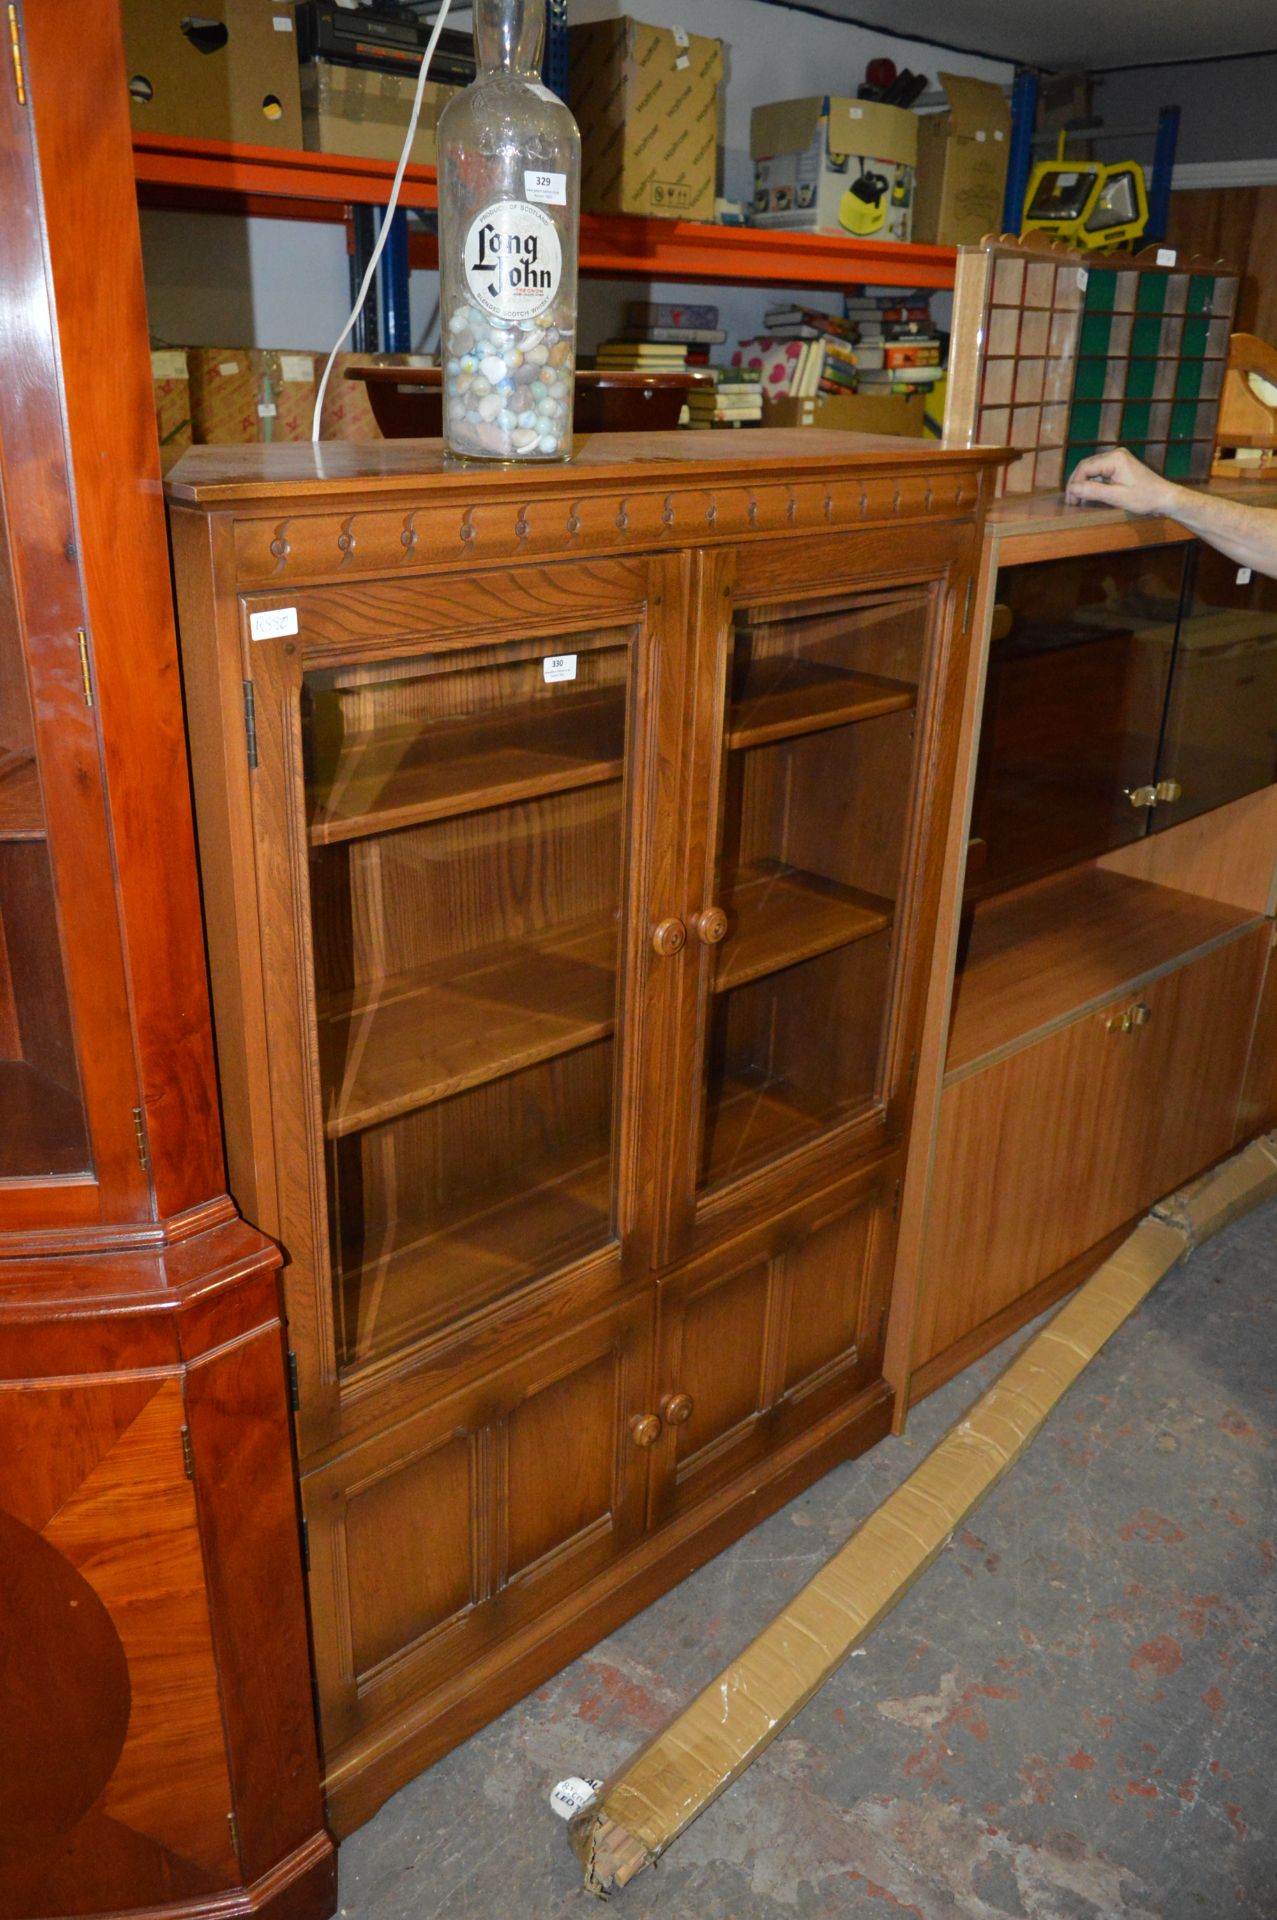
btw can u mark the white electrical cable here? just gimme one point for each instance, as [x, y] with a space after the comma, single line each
[384, 235]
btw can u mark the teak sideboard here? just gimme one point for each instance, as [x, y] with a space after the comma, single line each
[571, 846]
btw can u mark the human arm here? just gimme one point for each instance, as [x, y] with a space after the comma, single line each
[1116, 478]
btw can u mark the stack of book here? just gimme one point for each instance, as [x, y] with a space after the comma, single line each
[664, 323]
[641, 356]
[896, 349]
[735, 400]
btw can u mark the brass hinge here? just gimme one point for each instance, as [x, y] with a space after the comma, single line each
[250, 722]
[188, 1453]
[294, 1388]
[305, 1544]
[233, 1824]
[83, 639]
[15, 47]
[139, 1128]
[966, 611]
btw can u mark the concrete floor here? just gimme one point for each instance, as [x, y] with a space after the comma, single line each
[1071, 1717]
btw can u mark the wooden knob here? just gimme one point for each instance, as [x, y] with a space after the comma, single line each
[711, 925]
[669, 936]
[645, 1429]
[676, 1408]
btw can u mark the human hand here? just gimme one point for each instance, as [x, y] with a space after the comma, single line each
[1118, 479]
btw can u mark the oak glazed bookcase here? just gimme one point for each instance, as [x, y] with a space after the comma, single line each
[570, 845]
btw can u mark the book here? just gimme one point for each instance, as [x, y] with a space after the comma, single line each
[642, 353]
[670, 313]
[673, 336]
[796, 316]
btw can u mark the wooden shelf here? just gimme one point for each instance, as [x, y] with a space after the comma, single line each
[754, 1118]
[401, 776]
[474, 1253]
[21, 808]
[1050, 950]
[782, 915]
[42, 1131]
[624, 246]
[218, 177]
[415, 1038]
[780, 698]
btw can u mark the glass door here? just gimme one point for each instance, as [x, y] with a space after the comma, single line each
[466, 819]
[814, 817]
[1220, 740]
[1079, 663]
[43, 1127]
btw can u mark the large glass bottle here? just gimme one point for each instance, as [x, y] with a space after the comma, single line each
[509, 198]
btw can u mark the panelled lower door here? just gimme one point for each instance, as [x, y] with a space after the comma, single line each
[451, 780]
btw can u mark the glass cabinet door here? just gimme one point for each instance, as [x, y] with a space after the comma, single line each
[43, 1128]
[466, 820]
[1220, 740]
[1079, 664]
[813, 831]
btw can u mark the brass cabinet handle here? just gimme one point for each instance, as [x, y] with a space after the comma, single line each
[669, 936]
[645, 1429]
[676, 1408]
[1142, 796]
[711, 925]
[1169, 790]
[1130, 1018]
[1141, 1013]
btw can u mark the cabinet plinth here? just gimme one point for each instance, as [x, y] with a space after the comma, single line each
[566, 897]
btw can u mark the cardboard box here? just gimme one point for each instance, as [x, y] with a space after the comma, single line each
[224, 71]
[647, 100]
[895, 413]
[360, 111]
[241, 395]
[962, 165]
[172, 387]
[841, 166]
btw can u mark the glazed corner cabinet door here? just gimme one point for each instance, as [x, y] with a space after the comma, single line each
[569, 850]
[157, 1742]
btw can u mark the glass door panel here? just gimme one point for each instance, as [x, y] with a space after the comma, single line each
[43, 1130]
[1220, 740]
[814, 823]
[1079, 662]
[467, 865]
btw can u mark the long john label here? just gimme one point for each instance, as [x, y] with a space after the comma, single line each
[513, 260]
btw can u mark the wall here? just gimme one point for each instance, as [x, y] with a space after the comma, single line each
[1226, 108]
[213, 280]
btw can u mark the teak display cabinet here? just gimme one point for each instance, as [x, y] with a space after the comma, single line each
[570, 851]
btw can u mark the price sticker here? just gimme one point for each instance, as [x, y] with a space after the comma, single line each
[559, 666]
[550, 189]
[1243, 576]
[275, 624]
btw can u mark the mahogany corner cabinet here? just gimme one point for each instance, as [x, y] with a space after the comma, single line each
[570, 843]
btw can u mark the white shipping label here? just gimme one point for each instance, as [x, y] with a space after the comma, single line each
[281, 23]
[297, 366]
[275, 624]
[1166, 256]
[684, 60]
[979, 133]
[168, 363]
[571, 1796]
[558, 666]
[1082, 278]
[551, 189]
[227, 368]
[680, 36]
[267, 409]
[1243, 576]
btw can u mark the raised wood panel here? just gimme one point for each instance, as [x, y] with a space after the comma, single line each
[761, 1339]
[1258, 1108]
[1043, 1153]
[433, 1542]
